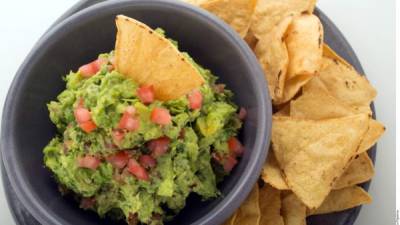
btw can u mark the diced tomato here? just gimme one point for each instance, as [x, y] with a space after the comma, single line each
[136, 169]
[131, 110]
[92, 68]
[229, 163]
[87, 203]
[98, 63]
[118, 160]
[88, 126]
[118, 136]
[195, 99]
[242, 113]
[128, 122]
[82, 115]
[147, 161]
[89, 162]
[146, 94]
[235, 147]
[160, 116]
[159, 147]
[87, 70]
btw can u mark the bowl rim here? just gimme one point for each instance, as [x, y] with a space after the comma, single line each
[239, 191]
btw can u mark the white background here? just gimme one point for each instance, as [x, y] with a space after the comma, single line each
[369, 26]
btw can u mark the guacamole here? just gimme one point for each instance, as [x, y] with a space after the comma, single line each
[124, 154]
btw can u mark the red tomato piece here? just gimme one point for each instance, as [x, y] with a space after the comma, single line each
[87, 70]
[158, 147]
[136, 169]
[242, 113]
[160, 116]
[235, 147]
[87, 203]
[118, 160]
[118, 136]
[229, 163]
[147, 161]
[89, 162]
[98, 63]
[88, 126]
[146, 94]
[131, 110]
[128, 122]
[195, 99]
[82, 115]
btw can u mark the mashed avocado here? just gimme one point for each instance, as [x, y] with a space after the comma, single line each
[98, 155]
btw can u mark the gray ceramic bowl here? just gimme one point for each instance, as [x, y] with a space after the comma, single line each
[26, 128]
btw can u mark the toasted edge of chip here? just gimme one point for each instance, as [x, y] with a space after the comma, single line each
[339, 200]
[329, 52]
[150, 59]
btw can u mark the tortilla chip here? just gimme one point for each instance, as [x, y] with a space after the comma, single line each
[318, 104]
[236, 13]
[251, 40]
[293, 211]
[284, 111]
[304, 43]
[272, 54]
[150, 59]
[270, 206]
[272, 173]
[343, 199]
[346, 85]
[330, 53]
[268, 13]
[360, 170]
[249, 212]
[314, 153]
[375, 131]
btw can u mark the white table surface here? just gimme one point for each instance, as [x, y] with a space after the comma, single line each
[369, 26]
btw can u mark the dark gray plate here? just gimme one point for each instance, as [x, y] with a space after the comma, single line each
[333, 37]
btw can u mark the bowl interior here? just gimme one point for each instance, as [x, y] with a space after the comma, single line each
[79, 40]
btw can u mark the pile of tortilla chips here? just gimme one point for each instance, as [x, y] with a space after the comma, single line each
[322, 126]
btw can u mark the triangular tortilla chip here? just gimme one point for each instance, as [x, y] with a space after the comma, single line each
[375, 131]
[339, 200]
[304, 41]
[360, 170]
[272, 173]
[293, 210]
[304, 44]
[318, 104]
[236, 13]
[249, 212]
[270, 206]
[268, 13]
[150, 59]
[272, 54]
[314, 153]
[346, 85]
